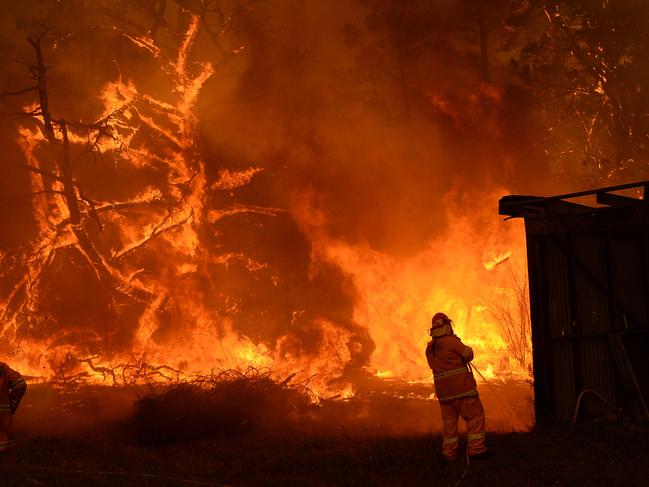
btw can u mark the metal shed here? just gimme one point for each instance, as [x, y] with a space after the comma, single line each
[588, 272]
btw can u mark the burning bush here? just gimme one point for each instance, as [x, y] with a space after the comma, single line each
[221, 405]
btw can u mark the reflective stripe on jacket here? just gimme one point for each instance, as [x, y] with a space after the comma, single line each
[448, 358]
[12, 390]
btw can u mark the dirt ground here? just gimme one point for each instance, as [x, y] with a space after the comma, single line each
[83, 440]
[549, 456]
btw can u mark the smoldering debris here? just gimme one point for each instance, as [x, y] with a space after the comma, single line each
[221, 405]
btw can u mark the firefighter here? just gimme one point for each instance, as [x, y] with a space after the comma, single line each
[456, 389]
[12, 389]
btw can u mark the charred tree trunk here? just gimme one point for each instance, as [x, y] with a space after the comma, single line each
[40, 73]
[66, 178]
[65, 169]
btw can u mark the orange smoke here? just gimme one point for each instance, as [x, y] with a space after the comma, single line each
[145, 288]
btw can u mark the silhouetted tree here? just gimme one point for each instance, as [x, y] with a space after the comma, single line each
[587, 63]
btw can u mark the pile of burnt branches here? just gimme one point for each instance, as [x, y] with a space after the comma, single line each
[220, 405]
[75, 371]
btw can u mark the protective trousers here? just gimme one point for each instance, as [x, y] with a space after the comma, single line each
[470, 408]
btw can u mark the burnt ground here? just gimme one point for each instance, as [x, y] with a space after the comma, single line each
[549, 456]
[63, 440]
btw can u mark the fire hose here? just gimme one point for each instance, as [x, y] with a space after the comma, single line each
[509, 410]
[610, 405]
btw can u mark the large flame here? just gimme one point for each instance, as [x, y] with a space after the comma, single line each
[148, 245]
[468, 273]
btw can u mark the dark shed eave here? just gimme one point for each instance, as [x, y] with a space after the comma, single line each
[540, 206]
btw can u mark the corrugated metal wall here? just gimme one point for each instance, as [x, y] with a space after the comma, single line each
[587, 281]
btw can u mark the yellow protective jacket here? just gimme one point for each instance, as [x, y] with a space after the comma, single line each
[12, 389]
[448, 357]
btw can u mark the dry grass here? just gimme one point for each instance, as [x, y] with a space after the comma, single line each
[512, 314]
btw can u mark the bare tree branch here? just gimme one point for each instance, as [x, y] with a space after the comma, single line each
[19, 92]
[161, 228]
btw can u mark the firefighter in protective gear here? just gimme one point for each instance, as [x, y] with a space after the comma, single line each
[456, 389]
[12, 390]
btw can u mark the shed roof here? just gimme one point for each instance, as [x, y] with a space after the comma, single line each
[546, 206]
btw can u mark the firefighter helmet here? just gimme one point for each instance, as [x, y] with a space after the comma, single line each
[441, 325]
[440, 319]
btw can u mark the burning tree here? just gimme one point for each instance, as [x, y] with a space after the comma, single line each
[116, 281]
[136, 129]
